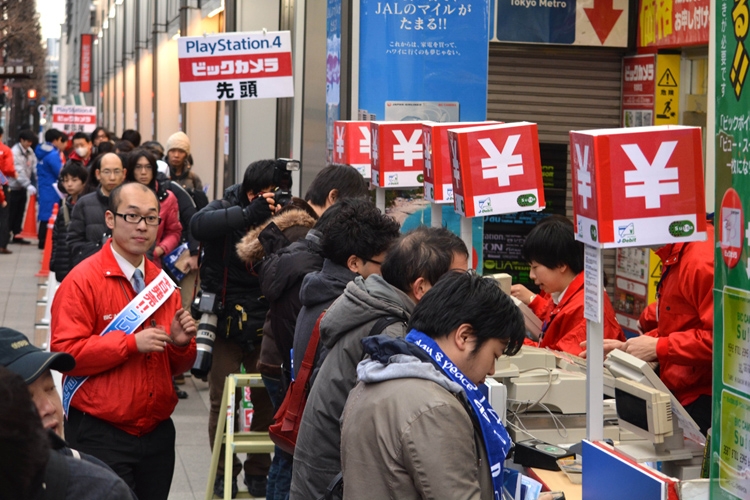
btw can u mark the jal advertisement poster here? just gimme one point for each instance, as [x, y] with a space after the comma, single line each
[730, 438]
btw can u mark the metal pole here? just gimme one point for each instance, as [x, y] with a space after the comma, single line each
[466, 236]
[594, 344]
[436, 219]
[380, 198]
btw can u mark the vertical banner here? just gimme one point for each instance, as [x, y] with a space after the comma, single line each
[426, 57]
[730, 435]
[85, 63]
[638, 88]
[333, 74]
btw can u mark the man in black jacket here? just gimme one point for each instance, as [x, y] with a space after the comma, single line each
[87, 230]
[219, 227]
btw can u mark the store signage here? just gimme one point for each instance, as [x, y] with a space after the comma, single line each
[570, 22]
[638, 187]
[72, 119]
[235, 66]
[438, 183]
[17, 71]
[673, 23]
[351, 145]
[650, 90]
[496, 169]
[397, 154]
[85, 62]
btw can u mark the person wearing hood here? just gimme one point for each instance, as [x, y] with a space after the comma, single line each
[412, 265]
[82, 147]
[180, 168]
[219, 226]
[48, 170]
[416, 424]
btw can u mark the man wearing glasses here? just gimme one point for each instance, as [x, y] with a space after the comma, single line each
[88, 230]
[121, 318]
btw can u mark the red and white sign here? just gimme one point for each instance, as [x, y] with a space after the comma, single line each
[732, 229]
[235, 66]
[351, 145]
[638, 90]
[673, 24]
[397, 154]
[85, 63]
[639, 186]
[72, 119]
[497, 169]
[438, 183]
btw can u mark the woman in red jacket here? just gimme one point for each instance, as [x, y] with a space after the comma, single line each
[142, 168]
[556, 260]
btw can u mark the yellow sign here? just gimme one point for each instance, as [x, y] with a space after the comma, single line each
[666, 105]
[654, 275]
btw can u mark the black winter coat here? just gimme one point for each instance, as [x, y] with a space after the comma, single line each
[187, 210]
[60, 262]
[87, 230]
[219, 227]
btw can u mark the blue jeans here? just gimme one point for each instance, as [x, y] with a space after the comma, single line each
[280, 473]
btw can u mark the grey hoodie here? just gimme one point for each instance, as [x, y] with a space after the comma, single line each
[349, 319]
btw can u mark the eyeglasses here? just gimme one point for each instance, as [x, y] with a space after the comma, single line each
[151, 220]
[143, 167]
[373, 261]
[110, 173]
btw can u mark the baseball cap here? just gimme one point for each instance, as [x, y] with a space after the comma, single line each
[20, 356]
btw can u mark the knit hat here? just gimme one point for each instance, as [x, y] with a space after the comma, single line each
[178, 140]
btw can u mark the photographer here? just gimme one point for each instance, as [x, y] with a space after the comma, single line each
[231, 297]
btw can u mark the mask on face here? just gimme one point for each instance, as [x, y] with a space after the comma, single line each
[82, 151]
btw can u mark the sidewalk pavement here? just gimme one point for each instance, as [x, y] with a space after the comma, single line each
[19, 292]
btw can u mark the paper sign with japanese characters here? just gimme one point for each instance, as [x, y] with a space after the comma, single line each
[497, 169]
[438, 184]
[352, 145]
[397, 154]
[234, 66]
[638, 187]
[72, 119]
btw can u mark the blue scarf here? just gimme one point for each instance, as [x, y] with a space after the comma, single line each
[496, 438]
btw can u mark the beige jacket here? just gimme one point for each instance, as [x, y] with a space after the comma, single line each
[412, 438]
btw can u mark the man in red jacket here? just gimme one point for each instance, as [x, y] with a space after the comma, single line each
[120, 393]
[682, 341]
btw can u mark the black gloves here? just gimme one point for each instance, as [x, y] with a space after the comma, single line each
[257, 212]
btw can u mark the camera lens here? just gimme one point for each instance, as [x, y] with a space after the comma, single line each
[204, 341]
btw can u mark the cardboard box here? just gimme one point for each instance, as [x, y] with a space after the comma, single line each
[497, 169]
[638, 186]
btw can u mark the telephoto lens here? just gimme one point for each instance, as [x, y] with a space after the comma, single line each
[204, 341]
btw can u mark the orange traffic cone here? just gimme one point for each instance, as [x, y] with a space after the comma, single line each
[29, 225]
[44, 271]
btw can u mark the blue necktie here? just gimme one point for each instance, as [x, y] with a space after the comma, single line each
[138, 283]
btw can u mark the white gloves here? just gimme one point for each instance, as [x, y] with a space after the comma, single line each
[31, 190]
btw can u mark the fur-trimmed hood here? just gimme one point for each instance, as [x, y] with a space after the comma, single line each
[250, 249]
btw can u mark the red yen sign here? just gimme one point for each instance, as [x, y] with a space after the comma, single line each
[351, 145]
[496, 169]
[638, 186]
[397, 154]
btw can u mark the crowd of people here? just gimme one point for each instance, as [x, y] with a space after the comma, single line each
[395, 332]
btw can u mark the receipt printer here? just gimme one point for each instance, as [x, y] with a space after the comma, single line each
[535, 453]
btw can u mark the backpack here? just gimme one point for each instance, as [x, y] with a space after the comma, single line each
[285, 428]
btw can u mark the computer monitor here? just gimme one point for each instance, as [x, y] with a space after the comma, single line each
[643, 410]
[686, 439]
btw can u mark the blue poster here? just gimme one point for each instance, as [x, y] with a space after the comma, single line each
[535, 21]
[424, 51]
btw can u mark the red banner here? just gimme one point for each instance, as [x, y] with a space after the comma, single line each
[229, 67]
[85, 77]
[673, 23]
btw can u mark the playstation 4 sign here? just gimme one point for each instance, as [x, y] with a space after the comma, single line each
[638, 186]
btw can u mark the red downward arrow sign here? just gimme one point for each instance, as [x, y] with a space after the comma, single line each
[603, 18]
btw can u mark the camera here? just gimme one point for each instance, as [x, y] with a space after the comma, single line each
[282, 197]
[282, 176]
[207, 305]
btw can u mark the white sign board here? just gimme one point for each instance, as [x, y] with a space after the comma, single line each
[235, 66]
[72, 119]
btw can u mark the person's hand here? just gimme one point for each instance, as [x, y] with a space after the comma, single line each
[183, 328]
[152, 339]
[609, 346]
[158, 251]
[192, 263]
[31, 190]
[4, 204]
[642, 347]
[522, 293]
[260, 209]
